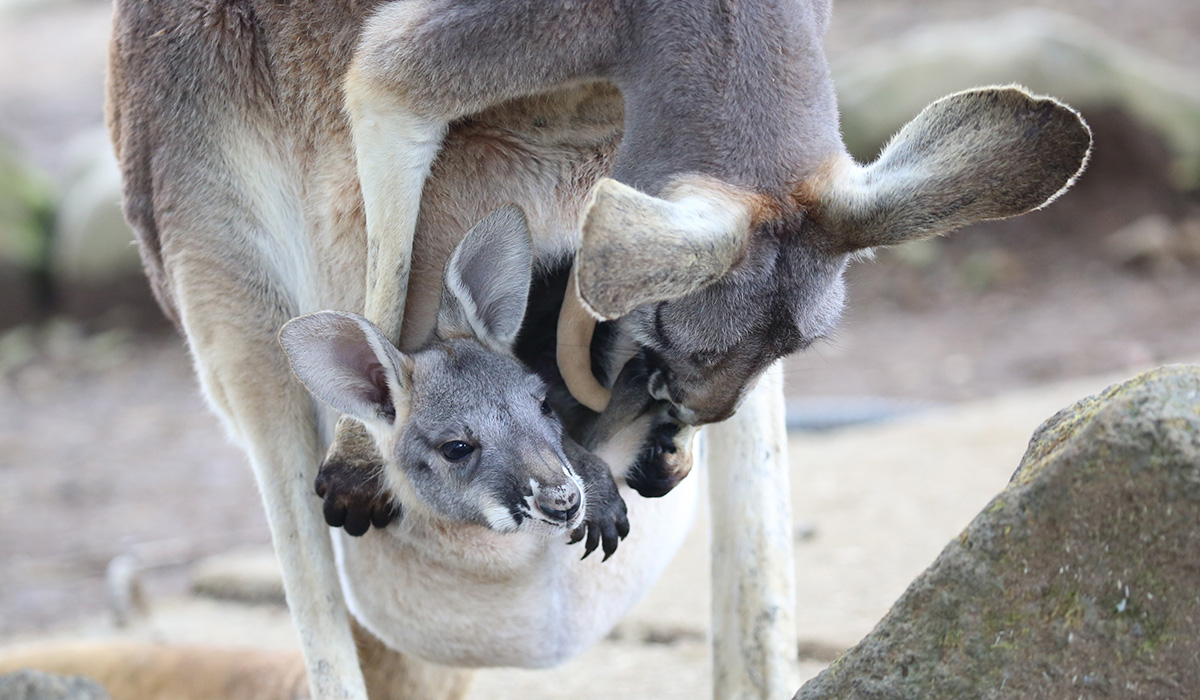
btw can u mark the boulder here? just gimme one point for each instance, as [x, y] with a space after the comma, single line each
[28, 684]
[94, 262]
[26, 205]
[92, 241]
[880, 87]
[1081, 579]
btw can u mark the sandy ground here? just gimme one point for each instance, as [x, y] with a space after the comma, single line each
[875, 505]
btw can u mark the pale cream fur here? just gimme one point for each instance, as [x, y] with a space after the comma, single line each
[463, 595]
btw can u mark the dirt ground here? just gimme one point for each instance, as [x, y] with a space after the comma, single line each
[106, 447]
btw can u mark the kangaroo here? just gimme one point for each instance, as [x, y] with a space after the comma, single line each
[730, 187]
[276, 161]
[475, 572]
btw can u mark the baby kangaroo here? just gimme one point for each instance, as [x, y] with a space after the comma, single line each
[475, 572]
[480, 444]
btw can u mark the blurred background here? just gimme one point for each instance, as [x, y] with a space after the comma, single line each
[106, 448]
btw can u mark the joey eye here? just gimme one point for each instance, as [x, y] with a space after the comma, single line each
[456, 450]
[546, 407]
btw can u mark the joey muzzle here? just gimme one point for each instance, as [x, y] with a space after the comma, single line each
[559, 503]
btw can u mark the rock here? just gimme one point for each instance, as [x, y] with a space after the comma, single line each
[249, 576]
[1081, 579]
[28, 684]
[25, 213]
[94, 263]
[126, 594]
[92, 241]
[881, 87]
[1148, 241]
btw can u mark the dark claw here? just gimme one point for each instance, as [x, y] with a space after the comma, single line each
[623, 528]
[605, 520]
[593, 541]
[610, 540]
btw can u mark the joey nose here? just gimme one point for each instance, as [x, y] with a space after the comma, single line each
[559, 504]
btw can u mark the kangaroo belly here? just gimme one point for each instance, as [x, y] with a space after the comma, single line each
[506, 600]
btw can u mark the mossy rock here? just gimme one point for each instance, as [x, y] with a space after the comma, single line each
[29, 684]
[26, 214]
[26, 210]
[881, 87]
[93, 244]
[1081, 579]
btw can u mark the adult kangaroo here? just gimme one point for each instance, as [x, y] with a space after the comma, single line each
[275, 159]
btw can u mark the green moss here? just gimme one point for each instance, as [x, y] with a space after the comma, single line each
[26, 214]
[951, 640]
[1068, 605]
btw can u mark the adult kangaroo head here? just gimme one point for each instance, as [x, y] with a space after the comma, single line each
[715, 277]
[465, 430]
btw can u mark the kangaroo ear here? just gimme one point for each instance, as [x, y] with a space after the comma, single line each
[989, 153]
[346, 361]
[486, 284]
[637, 248]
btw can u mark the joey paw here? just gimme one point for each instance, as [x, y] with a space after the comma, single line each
[354, 497]
[605, 523]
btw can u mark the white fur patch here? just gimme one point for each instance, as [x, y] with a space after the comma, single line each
[283, 239]
[498, 516]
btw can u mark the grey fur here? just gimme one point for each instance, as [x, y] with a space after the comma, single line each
[487, 281]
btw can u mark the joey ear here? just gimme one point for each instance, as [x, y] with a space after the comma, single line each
[486, 284]
[345, 361]
[988, 153]
[637, 248]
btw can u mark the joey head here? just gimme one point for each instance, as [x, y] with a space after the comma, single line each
[466, 432]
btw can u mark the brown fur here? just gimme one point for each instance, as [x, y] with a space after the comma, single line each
[146, 671]
[131, 670]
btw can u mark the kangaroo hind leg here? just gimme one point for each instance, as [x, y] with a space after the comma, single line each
[232, 301]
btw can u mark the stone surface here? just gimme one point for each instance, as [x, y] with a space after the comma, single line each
[885, 84]
[92, 241]
[243, 576]
[28, 684]
[25, 213]
[1081, 579]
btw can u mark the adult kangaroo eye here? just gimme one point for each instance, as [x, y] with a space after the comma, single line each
[456, 450]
